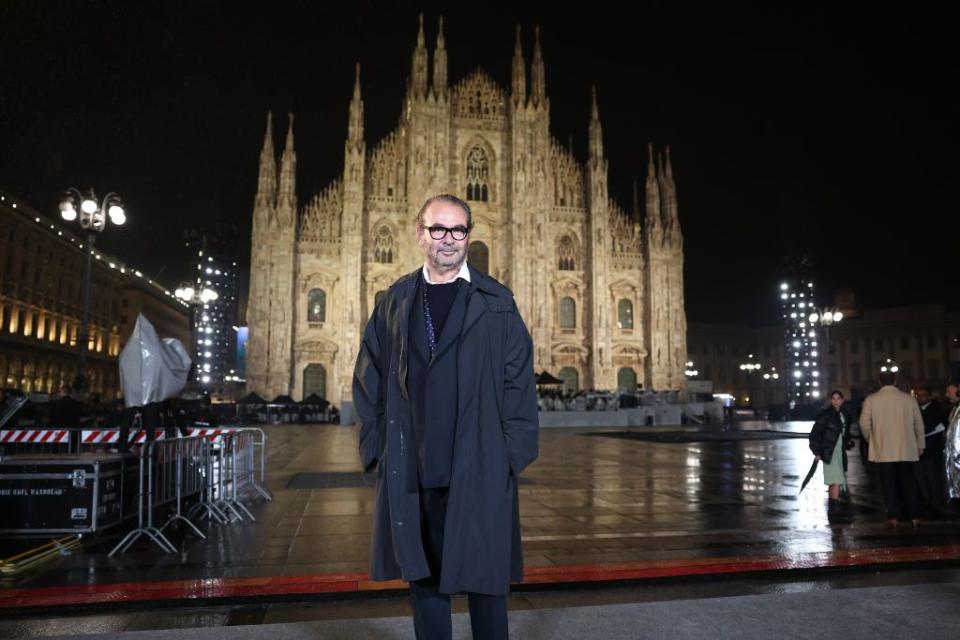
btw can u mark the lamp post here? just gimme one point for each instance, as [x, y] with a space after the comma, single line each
[889, 365]
[750, 368]
[826, 317]
[196, 296]
[92, 218]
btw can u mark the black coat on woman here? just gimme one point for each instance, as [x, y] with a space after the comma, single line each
[827, 428]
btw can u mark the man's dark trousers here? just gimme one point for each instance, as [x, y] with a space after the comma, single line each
[431, 609]
[901, 495]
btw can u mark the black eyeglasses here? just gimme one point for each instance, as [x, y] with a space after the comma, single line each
[439, 232]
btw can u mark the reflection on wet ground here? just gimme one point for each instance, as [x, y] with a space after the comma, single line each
[588, 500]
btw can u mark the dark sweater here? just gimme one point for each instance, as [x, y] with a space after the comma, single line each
[432, 379]
[441, 298]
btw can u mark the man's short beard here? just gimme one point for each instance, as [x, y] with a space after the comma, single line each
[436, 258]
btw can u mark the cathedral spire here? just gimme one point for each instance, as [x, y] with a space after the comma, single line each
[636, 202]
[672, 211]
[287, 192]
[596, 130]
[440, 65]
[267, 180]
[418, 72]
[538, 82]
[664, 191]
[519, 84]
[355, 126]
[653, 193]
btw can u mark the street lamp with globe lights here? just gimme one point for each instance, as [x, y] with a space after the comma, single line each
[195, 297]
[92, 216]
[825, 317]
[750, 367]
[889, 365]
[187, 293]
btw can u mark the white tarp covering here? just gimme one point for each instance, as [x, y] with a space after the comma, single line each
[151, 369]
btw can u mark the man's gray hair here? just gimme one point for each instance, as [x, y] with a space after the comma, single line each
[449, 199]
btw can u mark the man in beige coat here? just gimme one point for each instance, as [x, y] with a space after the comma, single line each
[893, 426]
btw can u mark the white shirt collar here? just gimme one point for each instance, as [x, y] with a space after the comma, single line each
[464, 273]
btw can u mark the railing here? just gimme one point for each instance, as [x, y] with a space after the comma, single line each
[161, 482]
[220, 468]
[216, 468]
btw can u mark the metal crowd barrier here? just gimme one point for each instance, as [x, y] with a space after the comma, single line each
[218, 468]
[259, 442]
[236, 470]
[192, 463]
[164, 479]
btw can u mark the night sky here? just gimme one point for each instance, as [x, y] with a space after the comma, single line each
[792, 129]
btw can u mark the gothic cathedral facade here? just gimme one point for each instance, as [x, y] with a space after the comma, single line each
[601, 290]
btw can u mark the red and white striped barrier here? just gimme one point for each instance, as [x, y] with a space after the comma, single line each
[99, 436]
[42, 436]
[110, 436]
[210, 433]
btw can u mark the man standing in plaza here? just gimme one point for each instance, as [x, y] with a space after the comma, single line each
[446, 399]
[892, 424]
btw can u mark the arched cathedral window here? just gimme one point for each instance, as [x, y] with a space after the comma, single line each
[568, 254]
[316, 306]
[571, 379]
[478, 255]
[383, 250]
[315, 380]
[627, 379]
[478, 169]
[625, 314]
[568, 313]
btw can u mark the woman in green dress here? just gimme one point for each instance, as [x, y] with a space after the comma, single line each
[829, 441]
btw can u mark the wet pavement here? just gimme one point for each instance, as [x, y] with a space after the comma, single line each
[593, 507]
